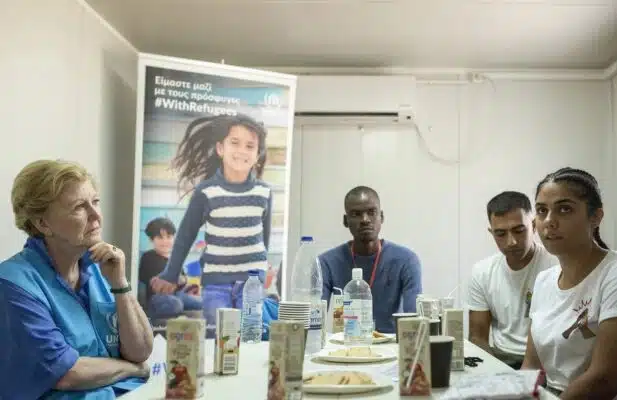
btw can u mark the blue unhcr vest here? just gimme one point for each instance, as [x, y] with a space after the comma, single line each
[93, 334]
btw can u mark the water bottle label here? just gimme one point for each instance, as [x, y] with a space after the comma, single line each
[358, 317]
[316, 319]
[254, 309]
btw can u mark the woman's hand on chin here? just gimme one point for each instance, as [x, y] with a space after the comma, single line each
[112, 262]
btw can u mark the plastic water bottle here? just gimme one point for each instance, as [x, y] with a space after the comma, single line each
[358, 311]
[307, 286]
[252, 303]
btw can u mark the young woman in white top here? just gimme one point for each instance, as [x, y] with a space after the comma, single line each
[573, 332]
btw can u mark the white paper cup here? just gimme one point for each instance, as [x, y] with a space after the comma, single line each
[429, 308]
[446, 303]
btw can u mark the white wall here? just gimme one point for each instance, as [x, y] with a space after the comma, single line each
[68, 92]
[510, 136]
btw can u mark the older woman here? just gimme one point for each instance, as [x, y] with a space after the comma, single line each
[69, 326]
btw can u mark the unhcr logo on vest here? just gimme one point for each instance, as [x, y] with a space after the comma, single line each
[112, 338]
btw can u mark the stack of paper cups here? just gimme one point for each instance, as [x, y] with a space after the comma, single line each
[295, 311]
[435, 308]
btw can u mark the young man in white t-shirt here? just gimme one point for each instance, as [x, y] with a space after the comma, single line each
[501, 286]
[573, 333]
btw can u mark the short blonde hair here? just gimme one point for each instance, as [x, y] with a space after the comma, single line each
[38, 185]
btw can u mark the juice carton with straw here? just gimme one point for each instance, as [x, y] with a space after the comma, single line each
[414, 357]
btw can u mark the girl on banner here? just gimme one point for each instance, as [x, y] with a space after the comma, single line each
[222, 158]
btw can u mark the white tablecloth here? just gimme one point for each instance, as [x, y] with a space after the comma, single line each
[251, 382]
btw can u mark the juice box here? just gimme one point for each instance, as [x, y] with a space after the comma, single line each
[227, 341]
[185, 358]
[285, 367]
[410, 344]
[336, 304]
[452, 325]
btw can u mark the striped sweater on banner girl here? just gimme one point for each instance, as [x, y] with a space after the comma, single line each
[237, 222]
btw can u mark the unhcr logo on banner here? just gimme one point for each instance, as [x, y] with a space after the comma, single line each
[271, 103]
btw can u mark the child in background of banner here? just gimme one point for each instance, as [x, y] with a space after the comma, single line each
[161, 233]
[222, 158]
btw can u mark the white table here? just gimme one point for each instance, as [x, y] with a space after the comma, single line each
[251, 382]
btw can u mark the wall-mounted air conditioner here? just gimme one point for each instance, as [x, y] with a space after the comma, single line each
[355, 95]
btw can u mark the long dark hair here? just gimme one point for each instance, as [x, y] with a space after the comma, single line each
[585, 186]
[197, 159]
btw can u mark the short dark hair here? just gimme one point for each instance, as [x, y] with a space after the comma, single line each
[154, 227]
[585, 187]
[358, 190]
[507, 201]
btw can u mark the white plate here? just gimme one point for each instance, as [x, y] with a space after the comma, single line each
[380, 356]
[381, 382]
[306, 313]
[339, 338]
[291, 316]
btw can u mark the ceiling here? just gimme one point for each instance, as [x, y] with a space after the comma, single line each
[474, 34]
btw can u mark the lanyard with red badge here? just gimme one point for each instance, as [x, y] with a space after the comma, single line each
[374, 270]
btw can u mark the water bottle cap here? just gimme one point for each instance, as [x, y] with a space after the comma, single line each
[306, 239]
[356, 274]
[254, 272]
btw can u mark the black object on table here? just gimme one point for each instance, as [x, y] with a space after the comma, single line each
[473, 361]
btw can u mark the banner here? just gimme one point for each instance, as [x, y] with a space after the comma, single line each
[213, 153]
